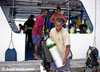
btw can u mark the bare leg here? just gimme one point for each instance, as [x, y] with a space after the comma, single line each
[36, 49]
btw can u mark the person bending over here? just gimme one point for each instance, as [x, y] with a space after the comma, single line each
[61, 37]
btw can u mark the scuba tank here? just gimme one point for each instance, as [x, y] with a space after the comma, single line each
[78, 31]
[54, 52]
[72, 30]
[88, 31]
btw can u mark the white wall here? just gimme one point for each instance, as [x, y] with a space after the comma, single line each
[5, 35]
[98, 25]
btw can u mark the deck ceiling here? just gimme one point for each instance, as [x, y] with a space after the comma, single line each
[23, 8]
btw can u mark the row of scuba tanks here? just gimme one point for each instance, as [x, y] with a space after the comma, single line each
[83, 28]
[78, 30]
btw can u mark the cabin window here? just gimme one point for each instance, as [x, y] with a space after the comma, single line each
[78, 19]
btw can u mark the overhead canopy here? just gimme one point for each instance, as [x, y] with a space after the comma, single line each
[23, 8]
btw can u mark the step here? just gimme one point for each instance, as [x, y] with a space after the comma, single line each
[35, 65]
[22, 66]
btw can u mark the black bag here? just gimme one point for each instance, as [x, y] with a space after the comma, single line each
[46, 53]
[46, 57]
[92, 57]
